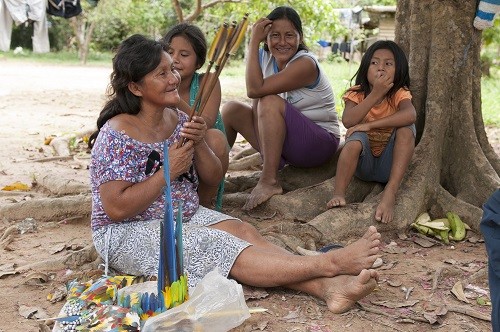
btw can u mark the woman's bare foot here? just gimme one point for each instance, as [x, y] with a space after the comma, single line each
[358, 255]
[385, 210]
[336, 201]
[344, 291]
[261, 193]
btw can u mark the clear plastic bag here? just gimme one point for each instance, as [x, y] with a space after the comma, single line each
[217, 304]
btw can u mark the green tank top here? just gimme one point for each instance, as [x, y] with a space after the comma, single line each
[193, 91]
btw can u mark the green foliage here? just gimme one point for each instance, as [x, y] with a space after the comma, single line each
[376, 2]
[61, 57]
[318, 20]
[118, 19]
[491, 35]
[489, 97]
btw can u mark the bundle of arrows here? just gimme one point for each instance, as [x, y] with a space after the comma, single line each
[225, 44]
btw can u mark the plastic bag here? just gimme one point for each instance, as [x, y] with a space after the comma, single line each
[217, 304]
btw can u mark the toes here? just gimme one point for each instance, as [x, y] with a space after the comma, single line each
[370, 232]
[249, 204]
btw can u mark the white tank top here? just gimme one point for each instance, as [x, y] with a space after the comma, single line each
[316, 101]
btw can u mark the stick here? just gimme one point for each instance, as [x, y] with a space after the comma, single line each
[469, 312]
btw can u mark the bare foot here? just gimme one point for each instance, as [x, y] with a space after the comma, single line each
[385, 210]
[336, 201]
[261, 193]
[358, 255]
[344, 291]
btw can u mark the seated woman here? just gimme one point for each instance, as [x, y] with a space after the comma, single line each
[292, 119]
[127, 183]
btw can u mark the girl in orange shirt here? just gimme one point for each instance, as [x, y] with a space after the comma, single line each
[379, 117]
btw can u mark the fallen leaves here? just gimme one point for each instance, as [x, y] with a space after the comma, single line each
[7, 269]
[32, 312]
[16, 186]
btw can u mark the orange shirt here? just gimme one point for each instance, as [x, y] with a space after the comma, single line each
[379, 137]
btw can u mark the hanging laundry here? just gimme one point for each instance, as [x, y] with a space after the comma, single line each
[64, 8]
[22, 11]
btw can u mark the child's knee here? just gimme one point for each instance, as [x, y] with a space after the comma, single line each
[405, 134]
[217, 141]
[353, 146]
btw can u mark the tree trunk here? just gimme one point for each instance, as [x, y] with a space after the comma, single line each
[454, 167]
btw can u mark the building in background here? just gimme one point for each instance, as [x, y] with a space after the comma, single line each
[365, 25]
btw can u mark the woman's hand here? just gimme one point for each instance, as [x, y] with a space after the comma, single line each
[260, 29]
[195, 130]
[180, 158]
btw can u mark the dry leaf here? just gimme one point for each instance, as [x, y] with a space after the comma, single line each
[458, 291]
[16, 186]
[431, 317]
[483, 301]
[388, 266]
[7, 269]
[394, 250]
[59, 294]
[423, 242]
[37, 278]
[394, 305]
[32, 312]
[254, 293]
[57, 248]
[394, 283]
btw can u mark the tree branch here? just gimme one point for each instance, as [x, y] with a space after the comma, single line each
[201, 7]
[178, 10]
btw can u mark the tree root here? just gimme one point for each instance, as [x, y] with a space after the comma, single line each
[47, 209]
[468, 311]
[443, 202]
[8, 236]
[374, 310]
[450, 308]
[245, 163]
[53, 184]
[73, 260]
[244, 153]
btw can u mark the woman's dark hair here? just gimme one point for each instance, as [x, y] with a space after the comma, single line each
[402, 72]
[194, 36]
[285, 12]
[135, 58]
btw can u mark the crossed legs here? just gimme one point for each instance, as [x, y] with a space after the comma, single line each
[340, 277]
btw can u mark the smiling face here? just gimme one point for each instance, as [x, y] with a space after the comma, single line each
[382, 63]
[184, 56]
[160, 86]
[283, 41]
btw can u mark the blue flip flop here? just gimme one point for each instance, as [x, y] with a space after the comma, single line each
[329, 247]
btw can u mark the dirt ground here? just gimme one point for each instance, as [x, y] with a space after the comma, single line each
[39, 101]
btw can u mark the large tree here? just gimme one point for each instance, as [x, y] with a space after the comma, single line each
[454, 167]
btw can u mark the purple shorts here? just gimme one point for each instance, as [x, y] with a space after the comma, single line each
[306, 143]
